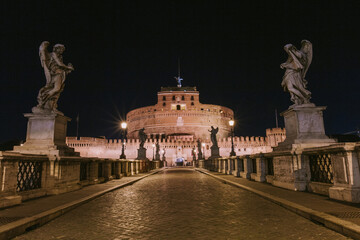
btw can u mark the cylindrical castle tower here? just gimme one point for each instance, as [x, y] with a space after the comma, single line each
[179, 114]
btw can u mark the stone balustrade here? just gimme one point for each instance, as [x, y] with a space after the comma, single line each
[330, 170]
[25, 176]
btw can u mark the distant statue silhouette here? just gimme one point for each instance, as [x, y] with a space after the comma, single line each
[213, 133]
[142, 137]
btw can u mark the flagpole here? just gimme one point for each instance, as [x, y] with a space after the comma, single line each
[77, 127]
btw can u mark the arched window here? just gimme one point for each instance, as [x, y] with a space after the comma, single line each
[164, 98]
[192, 103]
[183, 98]
[192, 98]
[173, 98]
[164, 104]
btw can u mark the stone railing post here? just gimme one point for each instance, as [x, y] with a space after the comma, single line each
[107, 169]
[230, 164]
[141, 166]
[137, 163]
[346, 174]
[201, 163]
[260, 171]
[8, 183]
[247, 167]
[125, 167]
[118, 169]
[93, 172]
[132, 168]
[221, 166]
[236, 163]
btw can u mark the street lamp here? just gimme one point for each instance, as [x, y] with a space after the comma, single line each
[123, 127]
[153, 146]
[203, 145]
[231, 123]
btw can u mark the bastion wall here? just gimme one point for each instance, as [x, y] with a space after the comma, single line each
[178, 111]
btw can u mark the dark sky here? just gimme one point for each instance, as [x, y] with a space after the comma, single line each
[124, 51]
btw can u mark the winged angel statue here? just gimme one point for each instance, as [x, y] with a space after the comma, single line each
[296, 66]
[55, 73]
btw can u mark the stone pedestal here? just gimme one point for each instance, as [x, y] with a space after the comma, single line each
[215, 152]
[141, 154]
[304, 126]
[46, 134]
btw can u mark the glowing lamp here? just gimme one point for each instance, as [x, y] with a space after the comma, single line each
[231, 123]
[123, 125]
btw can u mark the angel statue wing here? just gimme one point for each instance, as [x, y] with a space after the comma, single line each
[45, 59]
[306, 49]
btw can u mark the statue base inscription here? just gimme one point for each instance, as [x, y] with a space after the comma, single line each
[141, 154]
[304, 126]
[46, 134]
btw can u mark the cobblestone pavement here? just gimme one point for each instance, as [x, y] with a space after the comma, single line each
[180, 203]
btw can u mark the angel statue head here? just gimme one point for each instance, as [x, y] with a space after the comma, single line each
[296, 67]
[55, 73]
[59, 48]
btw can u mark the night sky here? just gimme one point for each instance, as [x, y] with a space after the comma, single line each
[124, 51]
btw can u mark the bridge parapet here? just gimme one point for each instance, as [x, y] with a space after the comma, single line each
[27, 176]
[330, 170]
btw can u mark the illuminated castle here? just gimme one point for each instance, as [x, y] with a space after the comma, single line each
[179, 114]
[177, 121]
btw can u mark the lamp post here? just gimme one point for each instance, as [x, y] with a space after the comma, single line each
[153, 146]
[231, 123]
[203, 145]
[123, 127]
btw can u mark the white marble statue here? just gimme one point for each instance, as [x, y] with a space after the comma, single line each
[296, 66]
[55, 73]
